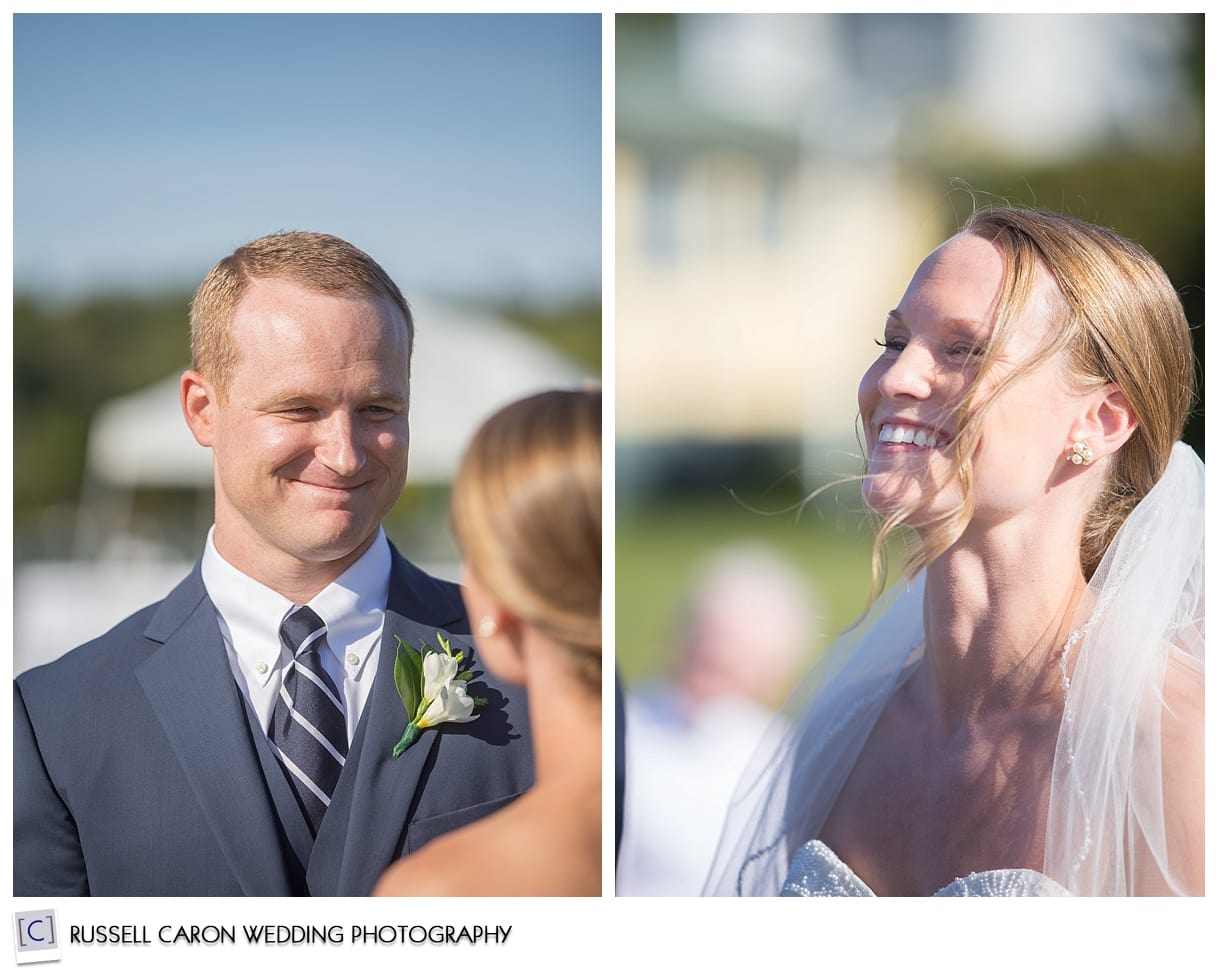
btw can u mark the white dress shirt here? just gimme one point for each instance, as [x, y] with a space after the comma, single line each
[352, 608]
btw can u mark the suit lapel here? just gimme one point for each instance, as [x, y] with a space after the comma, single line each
[190, 687]
[363, 828]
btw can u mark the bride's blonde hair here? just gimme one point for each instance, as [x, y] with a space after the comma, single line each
[526, 512]
[1118, 320]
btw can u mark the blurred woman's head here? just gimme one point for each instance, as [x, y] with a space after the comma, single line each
[1026, 331]
[526, 512]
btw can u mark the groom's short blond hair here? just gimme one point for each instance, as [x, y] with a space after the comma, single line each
[315, 261]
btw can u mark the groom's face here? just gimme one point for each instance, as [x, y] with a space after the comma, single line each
[311, 438]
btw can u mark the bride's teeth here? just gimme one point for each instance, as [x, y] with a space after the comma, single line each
[905, 435]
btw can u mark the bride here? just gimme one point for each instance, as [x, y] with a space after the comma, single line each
[1026, 717]
[526, 513]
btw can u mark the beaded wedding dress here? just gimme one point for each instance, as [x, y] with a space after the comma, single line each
[1137, 652]
[816, 871]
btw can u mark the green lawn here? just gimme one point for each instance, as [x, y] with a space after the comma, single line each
[659, 546]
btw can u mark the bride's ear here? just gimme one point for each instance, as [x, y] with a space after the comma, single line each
[1107, 422]
[497, 631]
[495, 628]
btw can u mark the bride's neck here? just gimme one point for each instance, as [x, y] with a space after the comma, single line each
[997, 614]
[564, 715]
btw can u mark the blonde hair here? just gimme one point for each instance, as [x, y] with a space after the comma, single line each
[315, 261]
[526, 512]
[1118, 320]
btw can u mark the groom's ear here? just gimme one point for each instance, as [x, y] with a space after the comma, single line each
[199, 400]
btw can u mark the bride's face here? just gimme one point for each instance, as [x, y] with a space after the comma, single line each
[910, 397]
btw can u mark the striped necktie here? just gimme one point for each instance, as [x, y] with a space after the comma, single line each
[308, 730]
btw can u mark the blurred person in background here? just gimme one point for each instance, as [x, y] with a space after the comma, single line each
[743, 635]
[1025, 715]
[526, 512]
[619, 764]
[238, 738]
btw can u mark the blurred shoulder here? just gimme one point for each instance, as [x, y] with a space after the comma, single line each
[121, 647]
[537, 846]
[114, 655]
[1181, 751]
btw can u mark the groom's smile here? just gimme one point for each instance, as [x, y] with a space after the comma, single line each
[311, 437]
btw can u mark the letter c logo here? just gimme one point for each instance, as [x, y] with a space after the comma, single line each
[29, 931]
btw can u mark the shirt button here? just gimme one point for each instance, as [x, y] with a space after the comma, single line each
[261, 667]
[353, 659]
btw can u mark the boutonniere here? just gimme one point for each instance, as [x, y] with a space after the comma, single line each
[431, 685]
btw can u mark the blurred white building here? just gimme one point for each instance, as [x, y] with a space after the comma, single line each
[771, 201]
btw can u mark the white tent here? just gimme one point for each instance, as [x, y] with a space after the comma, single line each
[466, 365]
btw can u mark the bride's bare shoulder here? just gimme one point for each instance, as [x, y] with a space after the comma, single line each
[1183, 697]
[1182, 727]
[531, 848]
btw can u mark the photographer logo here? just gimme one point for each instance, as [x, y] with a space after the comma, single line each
[35, 936]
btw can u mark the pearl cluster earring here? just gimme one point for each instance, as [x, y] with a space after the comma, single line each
[1079, 453]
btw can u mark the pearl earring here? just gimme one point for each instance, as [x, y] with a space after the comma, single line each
[487, 627]
[1079, 453]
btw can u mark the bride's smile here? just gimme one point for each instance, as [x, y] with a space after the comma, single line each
[896, 433]
[1024, 713]
[937, 366]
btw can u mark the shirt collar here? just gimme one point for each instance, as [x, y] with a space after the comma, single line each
[352, 607]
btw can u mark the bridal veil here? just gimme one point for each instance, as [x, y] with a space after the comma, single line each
[1133, 675]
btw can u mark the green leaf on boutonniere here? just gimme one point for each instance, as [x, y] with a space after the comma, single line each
[408, 676]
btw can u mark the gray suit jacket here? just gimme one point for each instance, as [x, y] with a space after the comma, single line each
[140, 769]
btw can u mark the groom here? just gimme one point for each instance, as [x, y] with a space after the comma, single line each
[236, 738]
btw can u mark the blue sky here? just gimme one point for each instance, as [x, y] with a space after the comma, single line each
[463, 152]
